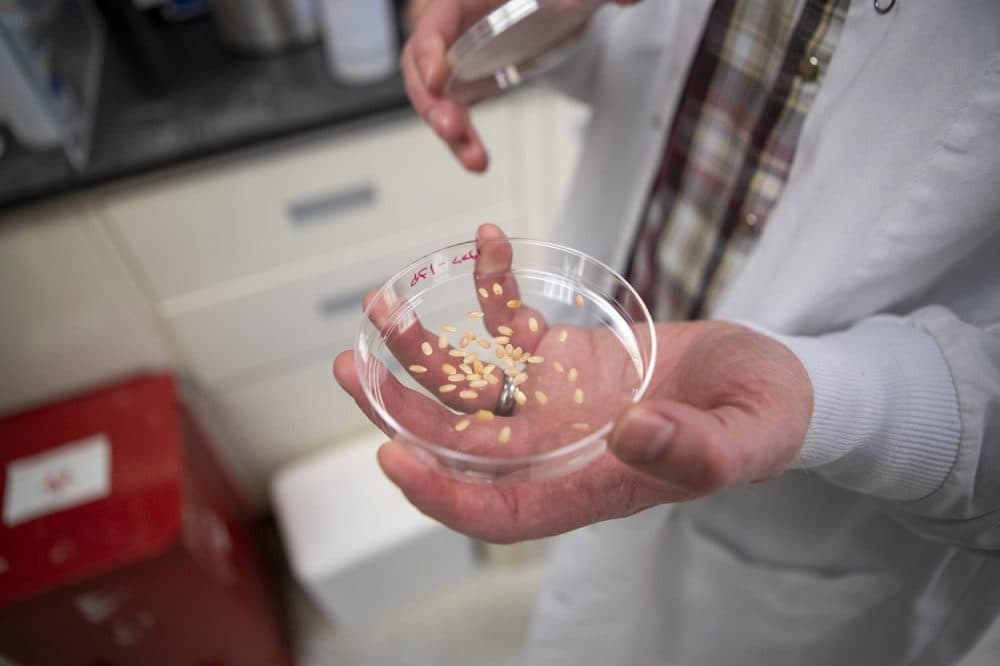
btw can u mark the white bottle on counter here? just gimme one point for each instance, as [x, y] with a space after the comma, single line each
[360, 39]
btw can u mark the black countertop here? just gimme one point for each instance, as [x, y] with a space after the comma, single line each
[217, 100]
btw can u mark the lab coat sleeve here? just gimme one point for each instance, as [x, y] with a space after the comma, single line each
[907, 410]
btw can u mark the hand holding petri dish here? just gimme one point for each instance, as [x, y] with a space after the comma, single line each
[505, 360]
[517, 41]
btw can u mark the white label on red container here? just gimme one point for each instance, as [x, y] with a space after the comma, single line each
[61, 478]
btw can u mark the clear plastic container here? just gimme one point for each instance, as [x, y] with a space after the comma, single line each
[586, 342]
[359, 37]
[51, 54]
[514, 43]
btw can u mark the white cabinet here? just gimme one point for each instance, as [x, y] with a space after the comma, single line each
[258, 263]
[286, 415]
[250, 333]
[331, 195]
[253, 267]
[71, 314]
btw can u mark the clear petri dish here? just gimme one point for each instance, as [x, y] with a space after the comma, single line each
[443, 335]
[514, 43]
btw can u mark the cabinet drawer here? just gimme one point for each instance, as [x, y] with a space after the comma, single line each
[248, 335]
[327, 196]
[288, 416]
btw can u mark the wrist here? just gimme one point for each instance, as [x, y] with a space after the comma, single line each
[885, 416]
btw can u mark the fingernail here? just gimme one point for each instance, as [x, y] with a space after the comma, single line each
[488, 263]
[643, 436]
[424, 457]
[492, 256]
[426, 71]
[337, 377]
[437, 119]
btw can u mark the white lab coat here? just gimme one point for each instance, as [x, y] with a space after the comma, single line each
[886, 552]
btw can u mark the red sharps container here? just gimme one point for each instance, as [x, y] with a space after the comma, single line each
[123, 542]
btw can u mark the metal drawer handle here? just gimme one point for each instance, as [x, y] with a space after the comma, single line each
[321, 208]
[333, 306]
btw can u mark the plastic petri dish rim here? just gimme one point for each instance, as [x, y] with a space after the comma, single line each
[610, 341]
[516, 42]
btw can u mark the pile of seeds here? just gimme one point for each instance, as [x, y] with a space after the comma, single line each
[513, 361]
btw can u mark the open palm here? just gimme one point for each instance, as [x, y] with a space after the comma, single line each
[726, 406]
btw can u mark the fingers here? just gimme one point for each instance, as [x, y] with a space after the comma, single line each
[450, 120]
[455, 375]
[437, 27]
[469, 149]
[425, 73]
[430, 421]
[499, 294]
[347, 377]
[484, 511]
[510, 512]
[417, 348]
[700, 450]
[416, 412]
[430, 418]
[412, 11]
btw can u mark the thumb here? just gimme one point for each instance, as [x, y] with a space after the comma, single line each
[688, 447]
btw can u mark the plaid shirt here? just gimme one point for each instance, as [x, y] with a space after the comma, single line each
[730, 147]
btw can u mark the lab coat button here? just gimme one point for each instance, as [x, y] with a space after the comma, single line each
[809, 68]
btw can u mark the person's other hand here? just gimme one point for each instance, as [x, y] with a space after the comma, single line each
[726, 406]
[436, 24]
[412, 11]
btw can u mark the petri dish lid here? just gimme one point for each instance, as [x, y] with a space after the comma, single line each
[515, 42]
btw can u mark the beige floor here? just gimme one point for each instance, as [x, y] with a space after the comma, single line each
[987, 653]
[479, 623]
